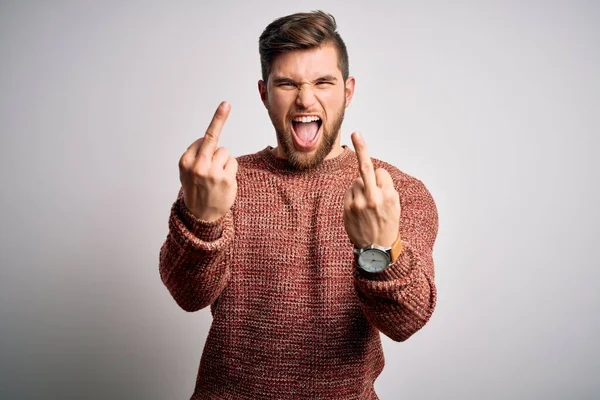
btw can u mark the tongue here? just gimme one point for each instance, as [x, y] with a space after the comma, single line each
[306, 131]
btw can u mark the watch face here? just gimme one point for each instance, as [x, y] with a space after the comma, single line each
[373, 260]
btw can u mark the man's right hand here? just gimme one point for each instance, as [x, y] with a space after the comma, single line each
[208, 173]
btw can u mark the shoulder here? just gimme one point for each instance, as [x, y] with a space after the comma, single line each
[251, 161]
[248, 159]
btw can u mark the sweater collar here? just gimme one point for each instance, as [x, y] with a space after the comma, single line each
[326, 167]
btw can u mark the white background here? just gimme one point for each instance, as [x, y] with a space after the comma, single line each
[493, 105]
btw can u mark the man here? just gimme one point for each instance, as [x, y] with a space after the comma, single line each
[304, 252]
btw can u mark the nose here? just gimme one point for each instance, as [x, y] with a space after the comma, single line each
[306, 97]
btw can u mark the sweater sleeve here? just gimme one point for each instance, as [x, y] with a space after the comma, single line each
[194, 259]
[400, 300]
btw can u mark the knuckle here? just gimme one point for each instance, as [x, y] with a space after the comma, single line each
[365, 167]
[210, 136]
[230, 181]
[382, 174]
[200, 171]
[221, 155]
[372, 204]
[187, 162]
[203, 158]
[358, 205]
[217, 172]
[393, 197]
[183, 162]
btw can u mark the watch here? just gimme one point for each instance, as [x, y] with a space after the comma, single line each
[375, 258]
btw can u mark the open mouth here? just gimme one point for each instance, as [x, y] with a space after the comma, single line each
[306, 131]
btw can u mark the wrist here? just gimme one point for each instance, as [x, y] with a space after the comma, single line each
[374, 258]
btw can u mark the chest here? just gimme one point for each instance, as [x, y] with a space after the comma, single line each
[290, 236]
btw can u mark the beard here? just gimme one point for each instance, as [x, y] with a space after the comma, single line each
[301, 160]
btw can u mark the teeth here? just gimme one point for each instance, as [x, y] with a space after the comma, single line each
[307, 119]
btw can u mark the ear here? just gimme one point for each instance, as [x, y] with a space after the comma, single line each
[262, 90]
[349, 90]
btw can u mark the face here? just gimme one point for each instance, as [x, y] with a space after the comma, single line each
[306, 97]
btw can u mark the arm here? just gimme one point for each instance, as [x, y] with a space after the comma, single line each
[400, 300]
[194, 259]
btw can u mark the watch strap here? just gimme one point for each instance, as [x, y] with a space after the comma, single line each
[396, 249]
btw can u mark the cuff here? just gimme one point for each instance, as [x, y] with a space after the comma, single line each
[188, 230]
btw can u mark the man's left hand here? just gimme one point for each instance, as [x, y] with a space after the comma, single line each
[371, 204]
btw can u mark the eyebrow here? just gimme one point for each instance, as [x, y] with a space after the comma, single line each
[281, 79]
[326, 78]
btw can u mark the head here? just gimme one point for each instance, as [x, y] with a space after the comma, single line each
[305, 86]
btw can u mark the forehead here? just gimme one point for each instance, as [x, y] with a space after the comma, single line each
[307, 64]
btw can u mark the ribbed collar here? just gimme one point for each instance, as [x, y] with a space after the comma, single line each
[326, 167]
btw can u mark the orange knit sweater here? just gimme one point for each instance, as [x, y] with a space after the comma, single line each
[293, 317]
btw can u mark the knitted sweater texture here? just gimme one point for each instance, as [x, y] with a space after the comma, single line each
[293, 316]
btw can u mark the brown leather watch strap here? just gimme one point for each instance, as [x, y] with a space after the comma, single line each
[397, 248]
